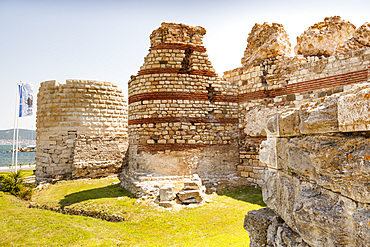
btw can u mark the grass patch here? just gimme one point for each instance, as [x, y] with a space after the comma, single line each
[24, 173]
[218, 223]
[246, 194]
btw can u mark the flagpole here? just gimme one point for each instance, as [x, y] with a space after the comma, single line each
[17, 143]
[14, 129]
[25, 109]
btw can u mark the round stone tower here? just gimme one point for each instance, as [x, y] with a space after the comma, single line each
[81, 129]
[183, 118]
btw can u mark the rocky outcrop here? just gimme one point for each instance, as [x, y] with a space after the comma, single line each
[360, 40]
[323, 38]
[268, 229]
[317, 176]
[266, 41]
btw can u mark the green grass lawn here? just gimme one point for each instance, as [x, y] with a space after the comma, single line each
[218, 223]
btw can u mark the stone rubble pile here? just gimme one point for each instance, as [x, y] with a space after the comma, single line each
[193, 192]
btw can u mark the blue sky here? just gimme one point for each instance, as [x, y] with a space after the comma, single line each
[107, 40]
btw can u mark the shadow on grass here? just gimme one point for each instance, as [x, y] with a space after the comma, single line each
[110, 191]
[246, 194]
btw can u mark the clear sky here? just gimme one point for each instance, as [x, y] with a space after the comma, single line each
[107, 40]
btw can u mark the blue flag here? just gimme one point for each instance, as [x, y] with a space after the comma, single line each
[25, 99]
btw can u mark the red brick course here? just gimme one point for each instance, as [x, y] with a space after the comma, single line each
[300, 87]
[176, 71]
[178, 46]
[174, 146]
[180, 96]
[183, 120]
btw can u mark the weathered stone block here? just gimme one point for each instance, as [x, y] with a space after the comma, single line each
[320, 117]
[267, 153]
[192, 185]
[272, 125]
[256, 119]
[354, 111]
[337, 163]
[256, 222]
[267, 229]
[190, 196]
[289, 123]
[167, 193]
[244, 174]
[321, 217]
[167, 204]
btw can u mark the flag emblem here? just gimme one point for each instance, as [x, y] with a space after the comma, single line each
[25, 99]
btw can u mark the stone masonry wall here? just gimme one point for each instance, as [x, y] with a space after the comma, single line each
[182, 117]
[284, 80]
[313, 114]
[98, 156]
[316, 183]
[81, 129]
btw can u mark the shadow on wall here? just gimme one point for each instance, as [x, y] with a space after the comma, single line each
[245, 194]
[110, 191]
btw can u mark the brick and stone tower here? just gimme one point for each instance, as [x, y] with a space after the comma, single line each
[81, 130]
[183, 118]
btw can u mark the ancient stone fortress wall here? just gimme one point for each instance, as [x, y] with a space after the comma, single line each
[81, 129]
[183, 118]
[316, 153]
[272, 78]
[317, 183]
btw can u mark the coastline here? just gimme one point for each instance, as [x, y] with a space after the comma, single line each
[20, 142]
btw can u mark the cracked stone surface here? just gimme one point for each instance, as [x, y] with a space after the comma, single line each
[323, 38]
[266, 41]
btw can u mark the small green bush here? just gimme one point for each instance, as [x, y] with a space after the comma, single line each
[14, 184]
[25, 193]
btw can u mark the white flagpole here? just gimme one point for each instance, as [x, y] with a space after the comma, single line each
[15, 119]
[17, 144]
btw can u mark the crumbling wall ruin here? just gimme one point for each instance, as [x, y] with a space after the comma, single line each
[284, 80]
[313, 113]
[81, 130]
[317, 183]
[295, 125]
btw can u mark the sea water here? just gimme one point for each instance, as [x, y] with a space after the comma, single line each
[23, 157]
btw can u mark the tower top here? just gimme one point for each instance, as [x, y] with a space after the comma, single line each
[177, 33]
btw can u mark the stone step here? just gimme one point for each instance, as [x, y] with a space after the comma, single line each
[191, 196]
[193, 185]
